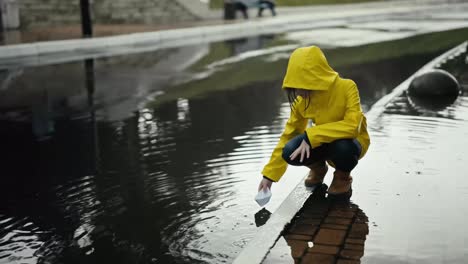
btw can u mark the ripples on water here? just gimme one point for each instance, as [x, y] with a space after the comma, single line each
[165, 185]
[156, 188]
[412, 183]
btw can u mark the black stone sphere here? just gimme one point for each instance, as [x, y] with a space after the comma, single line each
[434, 83]
[435, 103]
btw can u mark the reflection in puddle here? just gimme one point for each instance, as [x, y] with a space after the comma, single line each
[427, 105]
[407, 187]
[324, 231]
[261, 217]
[120, 181]
[413, 177]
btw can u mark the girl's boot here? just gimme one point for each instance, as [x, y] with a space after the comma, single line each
[316, 175]
[341, 183]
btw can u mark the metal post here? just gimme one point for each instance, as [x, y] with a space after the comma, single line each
[86, 23]
[2, 8]
[2, 27]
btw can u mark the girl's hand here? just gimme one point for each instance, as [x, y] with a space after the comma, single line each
[265, 183]
[303, 150]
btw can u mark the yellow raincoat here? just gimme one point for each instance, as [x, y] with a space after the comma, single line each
[334, 109]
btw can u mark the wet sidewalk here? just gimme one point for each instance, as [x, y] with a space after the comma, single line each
[403, 208]
[69, 32]
[325, 231]
[209, 18]
[38, 42]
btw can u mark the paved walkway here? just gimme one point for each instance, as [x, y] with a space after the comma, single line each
[74, 31]
[337, 228]
[356, 20]
[409, 138]
[332, 231]
[211, 17]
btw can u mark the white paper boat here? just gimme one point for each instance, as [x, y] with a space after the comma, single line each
[263, 196]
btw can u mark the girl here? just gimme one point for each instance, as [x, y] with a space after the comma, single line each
[339, 131]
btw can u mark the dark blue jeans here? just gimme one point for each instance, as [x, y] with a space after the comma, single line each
[344, 153]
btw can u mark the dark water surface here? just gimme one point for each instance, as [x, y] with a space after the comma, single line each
[412, 185]
[409, 192]
[138, 160]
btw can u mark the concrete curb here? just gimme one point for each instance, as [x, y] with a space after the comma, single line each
[259, 247]
[269, 233]
[379, 107]
[105, 46]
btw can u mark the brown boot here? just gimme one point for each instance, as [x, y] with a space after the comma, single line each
[316, 175]
[341, 183]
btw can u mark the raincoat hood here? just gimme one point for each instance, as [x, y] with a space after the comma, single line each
[335, 110]
[308, 69]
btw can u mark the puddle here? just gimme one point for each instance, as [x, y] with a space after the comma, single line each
[324, 231]
[113, 176]
[420, 149]
[406, 189]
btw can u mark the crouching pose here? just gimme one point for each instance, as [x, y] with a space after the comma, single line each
[338, 135]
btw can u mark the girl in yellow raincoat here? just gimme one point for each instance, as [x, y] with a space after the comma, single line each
[338, 134]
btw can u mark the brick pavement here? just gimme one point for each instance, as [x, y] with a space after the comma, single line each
[327, 231]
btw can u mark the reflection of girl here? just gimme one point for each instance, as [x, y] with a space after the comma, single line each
[339, 134]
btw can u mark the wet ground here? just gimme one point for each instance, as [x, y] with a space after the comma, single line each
[399, 17]
[408, 192]
[324, 231]
[329, 26]
[144, 159]
[423, 152]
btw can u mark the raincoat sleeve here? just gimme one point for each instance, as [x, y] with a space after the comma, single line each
[296, 125]
[349, 127]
